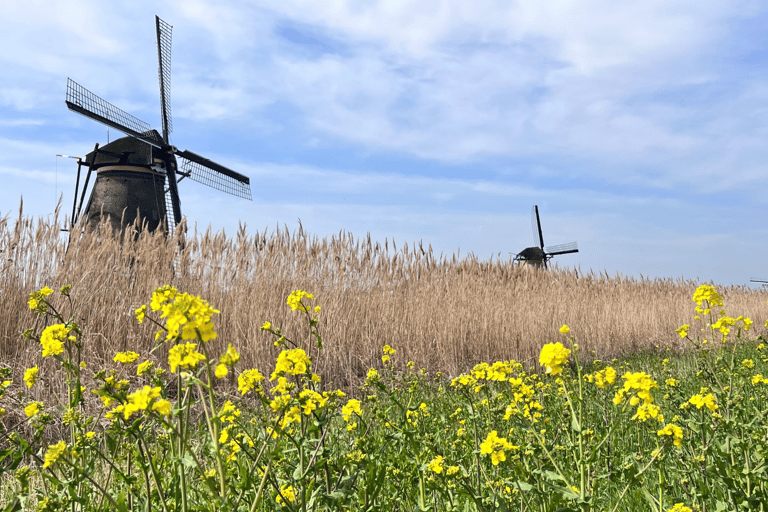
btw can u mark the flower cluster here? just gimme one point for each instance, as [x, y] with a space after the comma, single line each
[294, 300]
[496, 447]
[553, 356]
[187, 316]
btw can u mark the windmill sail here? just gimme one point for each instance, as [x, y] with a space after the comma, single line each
[214, 175]
[164, 73]
[554, 250]
[84, 102]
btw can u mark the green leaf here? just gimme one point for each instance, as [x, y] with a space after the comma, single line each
[575, 424]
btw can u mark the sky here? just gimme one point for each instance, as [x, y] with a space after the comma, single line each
[637, 127]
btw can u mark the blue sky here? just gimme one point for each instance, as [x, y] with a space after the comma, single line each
[639, 128]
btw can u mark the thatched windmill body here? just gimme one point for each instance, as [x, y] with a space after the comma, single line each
[137, 175]
[538, 256]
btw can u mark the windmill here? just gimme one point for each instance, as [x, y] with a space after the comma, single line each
[756, 280]
[539, 255]
[138, 175]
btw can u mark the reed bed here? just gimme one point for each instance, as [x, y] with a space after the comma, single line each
[444, 313]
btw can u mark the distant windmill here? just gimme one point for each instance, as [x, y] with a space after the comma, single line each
[538, 255]
[132, 172]
[756, 280]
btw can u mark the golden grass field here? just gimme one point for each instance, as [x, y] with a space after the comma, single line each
[443, 312]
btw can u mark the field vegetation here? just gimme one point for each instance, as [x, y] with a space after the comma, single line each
[444, 313]
[205, 378]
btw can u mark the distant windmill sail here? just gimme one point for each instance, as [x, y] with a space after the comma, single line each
[538, 255]
[132, 172]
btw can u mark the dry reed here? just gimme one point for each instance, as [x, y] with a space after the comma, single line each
[443, 313]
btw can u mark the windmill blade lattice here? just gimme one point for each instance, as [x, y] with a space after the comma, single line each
[84, 102]
[164, 31]
[216, 176]
[536, 224]
[562, 249]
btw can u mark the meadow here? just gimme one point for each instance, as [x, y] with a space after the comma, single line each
[206, 379]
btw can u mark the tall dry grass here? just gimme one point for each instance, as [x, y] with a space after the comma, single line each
[443, 313]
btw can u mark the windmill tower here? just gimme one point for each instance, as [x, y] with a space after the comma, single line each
[138, 175]
[538, 255]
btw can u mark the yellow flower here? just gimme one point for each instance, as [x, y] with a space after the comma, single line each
[266, 326]
[294, 300]
[553, 357]
[140, 400]
[372, 377]
[144, 367]
[436, 465]
[605, 377]
[679, 507]
[30, 376]
[648, 411]
[352, 407]
[708, 293]
[286, 493]
[249, 380]
[293, 362]
[140, 312]
[184, 355]
[32, 409]
[673, 431]
[37, 300]
[221, 371]
[565, 329]
[495, 446]
[125, 357]
[53, 453]
[187, 316]
[162, 406]
[683, 330]
[52, 339]
[700, 401]
[230, 357]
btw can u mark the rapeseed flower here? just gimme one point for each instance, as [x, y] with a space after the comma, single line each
[286, 493]
[708, 293]
[351, 407]
[293, 362]
[53, 453]
[37, 300]
[52, 339]
[648, 411]
[125, 357]
[436, 465]
[230, 357]
[700, 401]
[30, 376]
[680, 507]
[140, 400]
[221, 371]
[144, 368]
[553, 356]
[605, 377]
[32, 409]
[672, 430]
[294, 300]
[496, 446]
[248, 380]
[184, 355]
